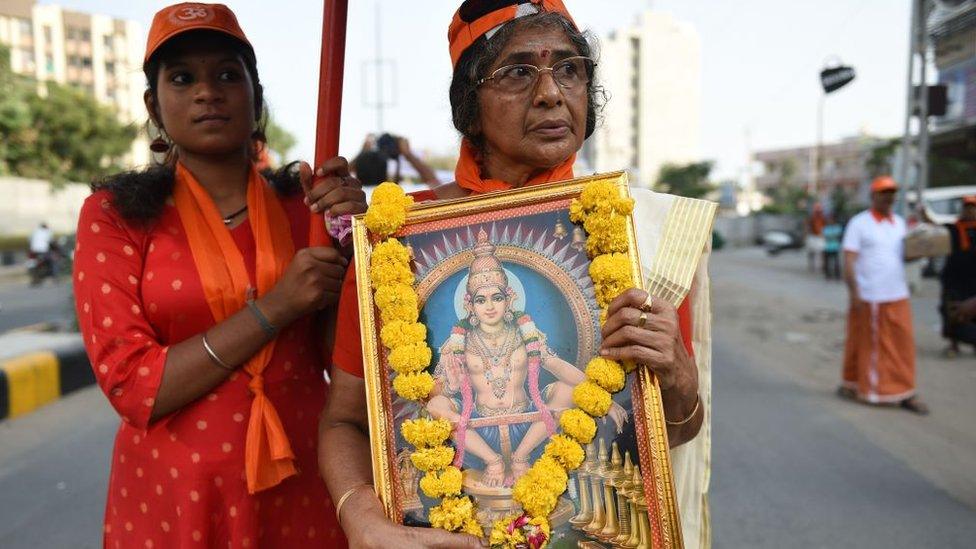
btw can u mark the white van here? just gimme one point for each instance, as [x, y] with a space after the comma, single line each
[942, 204]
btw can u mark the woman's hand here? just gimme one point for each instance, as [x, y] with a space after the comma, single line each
[618, 415]
[332, 190]
[312, 281]
[654, 341]
[366, 526]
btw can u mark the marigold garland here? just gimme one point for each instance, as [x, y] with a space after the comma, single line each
[602, 212]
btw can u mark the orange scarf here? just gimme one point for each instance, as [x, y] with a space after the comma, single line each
[963, 228]
[268, 458]
[467, 174]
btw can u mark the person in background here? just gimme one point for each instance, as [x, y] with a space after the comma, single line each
[879, 357]
[832, 232]
[40, 240]
[370, 165]
[814, 240]
[958, 303]
[198, 294]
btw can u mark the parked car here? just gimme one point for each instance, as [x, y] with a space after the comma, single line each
[942, 204]
[776, 241]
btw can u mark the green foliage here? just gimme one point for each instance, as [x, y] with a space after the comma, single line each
[689, 180]
[787, 199]
[948, 172]
[280, 140]
[66, 135]
[879, 160]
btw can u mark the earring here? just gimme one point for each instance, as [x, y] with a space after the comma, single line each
[473, 320]
[159, 145]
[509, 317]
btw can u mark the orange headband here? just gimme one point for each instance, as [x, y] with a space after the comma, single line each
[461, 34]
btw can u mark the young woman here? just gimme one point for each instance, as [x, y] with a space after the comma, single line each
[197, 292]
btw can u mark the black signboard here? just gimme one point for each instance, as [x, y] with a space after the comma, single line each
[836, 78]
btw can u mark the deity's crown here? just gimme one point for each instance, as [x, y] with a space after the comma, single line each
[485, 270]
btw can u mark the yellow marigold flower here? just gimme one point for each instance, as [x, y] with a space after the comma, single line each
[390, 250]
[413, 386]
[385, 219]
[407, 359]
[452, 514]
[606, 233]
[605, 373]
[592, 399]
[628, 366]
[611, 277]
[390, 193]
[426, 433]
[500, 537]
[576, 212]
[566, 451]
[443, 484]
[578, 424]
[390, 264]
[399, 333]
[432, 459]
[538, 490]
[473, 527]
[397, 302]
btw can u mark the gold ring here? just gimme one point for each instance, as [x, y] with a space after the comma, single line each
[646, 306]
[642, 319]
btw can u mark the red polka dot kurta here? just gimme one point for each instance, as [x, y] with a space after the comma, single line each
[179, 482]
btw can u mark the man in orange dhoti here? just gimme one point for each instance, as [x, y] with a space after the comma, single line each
[879, 358]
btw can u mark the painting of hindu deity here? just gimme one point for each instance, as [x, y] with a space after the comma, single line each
[512, 320]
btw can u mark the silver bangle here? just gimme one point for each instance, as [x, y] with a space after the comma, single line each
[213, 356]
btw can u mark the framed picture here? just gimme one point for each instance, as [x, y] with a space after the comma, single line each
[485, 267]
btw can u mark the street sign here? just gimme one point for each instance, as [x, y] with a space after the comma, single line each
[836, 78]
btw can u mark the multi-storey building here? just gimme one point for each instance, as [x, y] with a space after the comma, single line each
[844, 165]
[952, 30]
[652, 74]
[95, 53]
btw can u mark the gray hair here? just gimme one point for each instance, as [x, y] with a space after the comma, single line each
[479, 57]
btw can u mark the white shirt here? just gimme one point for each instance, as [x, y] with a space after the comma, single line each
[40, 241]
[880, 267]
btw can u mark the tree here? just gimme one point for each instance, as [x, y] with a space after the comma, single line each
[280, 140]
[879, 159]
[65, 135]
[689, 180]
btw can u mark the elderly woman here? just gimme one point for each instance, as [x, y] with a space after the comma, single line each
[524, 98]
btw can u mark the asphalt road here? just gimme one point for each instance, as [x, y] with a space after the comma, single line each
[792, 466]
[21, 305]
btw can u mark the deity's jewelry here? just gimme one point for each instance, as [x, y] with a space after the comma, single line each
[494, 358]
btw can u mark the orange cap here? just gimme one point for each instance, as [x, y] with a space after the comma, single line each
[969, 200]
[471, 21]
[883, 183]
[179, 18]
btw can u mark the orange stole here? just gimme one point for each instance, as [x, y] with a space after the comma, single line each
[467, 174]
[268, 458]
[879, 357]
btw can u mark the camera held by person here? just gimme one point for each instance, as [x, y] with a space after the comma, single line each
[371, 164]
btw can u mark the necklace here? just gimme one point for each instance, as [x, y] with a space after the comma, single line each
[496, 358]
[230, 218]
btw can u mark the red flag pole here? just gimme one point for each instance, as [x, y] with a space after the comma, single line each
[330, 92]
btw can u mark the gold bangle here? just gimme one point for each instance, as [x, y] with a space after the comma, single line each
[691, 415]
[345, 496]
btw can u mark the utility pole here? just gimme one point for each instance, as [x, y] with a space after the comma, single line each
[378, 65]
[915, 146]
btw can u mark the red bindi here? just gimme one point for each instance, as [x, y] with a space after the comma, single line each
[545, 53]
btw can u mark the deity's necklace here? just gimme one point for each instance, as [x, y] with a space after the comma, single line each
[493, 358]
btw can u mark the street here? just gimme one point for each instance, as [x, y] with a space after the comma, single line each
[21, 305]
[792, 465]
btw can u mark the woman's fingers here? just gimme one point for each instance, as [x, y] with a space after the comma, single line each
[638, 299]
[629, 316]
[329, 196]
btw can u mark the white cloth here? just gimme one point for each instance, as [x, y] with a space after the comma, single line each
[40, 241]
[690, 462]
[880, 266]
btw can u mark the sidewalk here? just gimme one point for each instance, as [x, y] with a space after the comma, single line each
[798, 320]
[39, 367]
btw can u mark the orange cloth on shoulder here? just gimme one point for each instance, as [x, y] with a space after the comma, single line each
[268, 457]
[467, 174]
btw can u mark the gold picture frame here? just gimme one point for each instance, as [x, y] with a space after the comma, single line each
[442, 236]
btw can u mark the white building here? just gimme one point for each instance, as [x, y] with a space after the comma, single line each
[95, 53]
[652, 73]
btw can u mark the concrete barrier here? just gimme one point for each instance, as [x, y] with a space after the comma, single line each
[36, 369]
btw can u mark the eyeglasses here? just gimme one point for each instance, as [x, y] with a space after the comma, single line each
[571, 74]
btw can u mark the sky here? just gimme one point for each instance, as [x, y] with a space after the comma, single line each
[760, 65]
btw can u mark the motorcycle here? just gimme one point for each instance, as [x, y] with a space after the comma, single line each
[44, 265]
